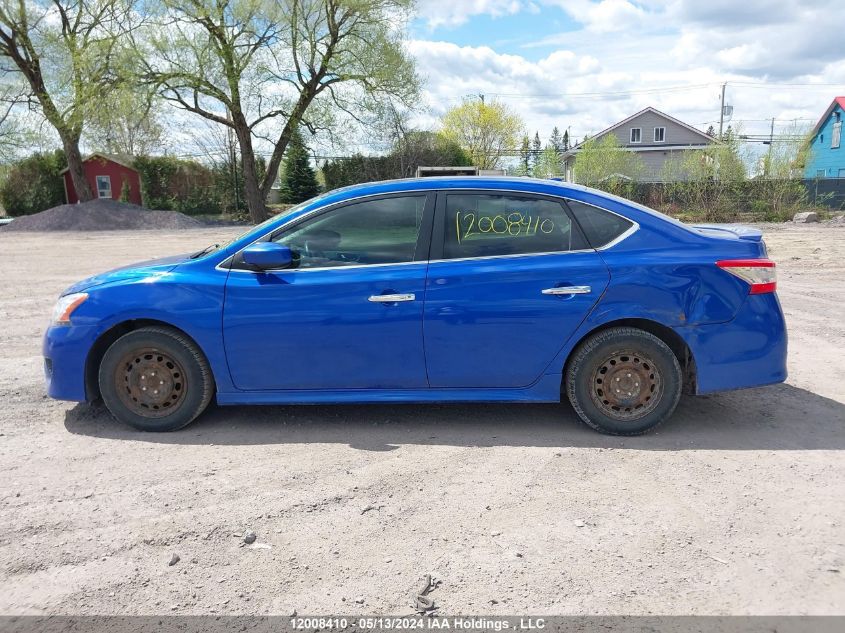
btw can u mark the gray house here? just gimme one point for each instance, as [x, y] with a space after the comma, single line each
[654, 136]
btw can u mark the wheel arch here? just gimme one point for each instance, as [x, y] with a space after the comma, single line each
[666, 334]
[104, 341]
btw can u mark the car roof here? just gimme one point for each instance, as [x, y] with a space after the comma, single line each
[459, 182]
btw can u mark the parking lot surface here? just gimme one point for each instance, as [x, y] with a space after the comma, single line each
[735, 506]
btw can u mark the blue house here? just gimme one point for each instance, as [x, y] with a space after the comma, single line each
[827, 156]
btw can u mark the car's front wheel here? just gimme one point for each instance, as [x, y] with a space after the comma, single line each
[155, 379]
[623, 381]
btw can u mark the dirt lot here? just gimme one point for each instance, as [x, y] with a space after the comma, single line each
[736, 506]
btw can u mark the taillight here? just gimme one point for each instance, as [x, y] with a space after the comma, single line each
[759, 273]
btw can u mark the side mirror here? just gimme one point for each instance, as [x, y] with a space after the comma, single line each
[267, 255]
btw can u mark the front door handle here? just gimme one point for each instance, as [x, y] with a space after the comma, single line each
[392, 298]
[567, 290]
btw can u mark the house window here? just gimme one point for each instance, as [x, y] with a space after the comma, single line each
[636, 135]
[659, 134]
[103, 186]
[835, 137]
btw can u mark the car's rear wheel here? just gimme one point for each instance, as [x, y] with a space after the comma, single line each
[623, 381]
[155, 379]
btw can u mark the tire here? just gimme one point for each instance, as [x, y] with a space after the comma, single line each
[623, 381]
[155, 379]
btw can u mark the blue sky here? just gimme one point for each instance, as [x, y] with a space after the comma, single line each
[585, 64]
[506, 34]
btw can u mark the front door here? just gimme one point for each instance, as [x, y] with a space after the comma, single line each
[510, 279]
[348, 314]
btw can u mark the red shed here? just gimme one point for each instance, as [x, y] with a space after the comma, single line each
[106, 176]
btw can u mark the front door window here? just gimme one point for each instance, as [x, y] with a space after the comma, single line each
[382, 231]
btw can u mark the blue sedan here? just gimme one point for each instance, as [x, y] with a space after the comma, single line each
[431, 290]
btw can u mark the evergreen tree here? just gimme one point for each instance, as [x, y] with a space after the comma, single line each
[299, 183]
[556, 141]
[536, 148]
[711, 131]
[524, 168]
[566, 140]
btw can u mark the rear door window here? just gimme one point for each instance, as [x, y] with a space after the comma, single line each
[601, 227]
[491, 225]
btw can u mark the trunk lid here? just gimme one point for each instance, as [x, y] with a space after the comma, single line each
[737, 231]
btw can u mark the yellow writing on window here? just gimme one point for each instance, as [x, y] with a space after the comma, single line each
[514, 224]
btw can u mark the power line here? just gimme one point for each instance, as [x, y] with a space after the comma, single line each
[615, 93]
[665, 89]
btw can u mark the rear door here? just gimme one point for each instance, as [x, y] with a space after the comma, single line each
[510, 279]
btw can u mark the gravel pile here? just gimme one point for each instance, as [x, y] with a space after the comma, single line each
[101, 215]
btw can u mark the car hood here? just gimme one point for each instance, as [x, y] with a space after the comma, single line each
[140, 270]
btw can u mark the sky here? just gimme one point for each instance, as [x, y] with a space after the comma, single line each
[583, 65]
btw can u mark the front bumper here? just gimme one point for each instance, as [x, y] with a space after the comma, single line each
[65, 351]
[749, 351]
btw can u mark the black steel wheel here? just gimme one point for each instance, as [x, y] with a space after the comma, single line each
[623, 381]
[155, 379]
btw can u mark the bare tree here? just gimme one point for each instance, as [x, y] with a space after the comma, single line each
[68, 53]
[266, 67]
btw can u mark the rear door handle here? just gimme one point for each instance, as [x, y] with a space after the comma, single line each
[567, 290]
[392, 298]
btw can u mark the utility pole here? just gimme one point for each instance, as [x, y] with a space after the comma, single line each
[722, 111]
[771, 141]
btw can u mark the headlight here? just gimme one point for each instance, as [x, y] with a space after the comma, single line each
[65, 307]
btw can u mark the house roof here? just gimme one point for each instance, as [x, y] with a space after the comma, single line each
[837, 101]
[708, 138]
[123, 161]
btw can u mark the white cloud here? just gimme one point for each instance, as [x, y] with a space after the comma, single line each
[606, 16]
[455, 12]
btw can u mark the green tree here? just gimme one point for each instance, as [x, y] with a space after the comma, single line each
[781, 191]
[16, 132]
[556, 140]
[565, 141]
[264, 68]
[548, 163]
[536, 148]
[524, 166]
[483, 129]
[417, 148]
[71, 54]
[602, 162]
[127, 123]
[299, 183]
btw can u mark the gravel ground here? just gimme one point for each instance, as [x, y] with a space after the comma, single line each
[736, 506]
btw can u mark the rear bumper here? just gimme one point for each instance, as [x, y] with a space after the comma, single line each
[65, 349]
[748, 351]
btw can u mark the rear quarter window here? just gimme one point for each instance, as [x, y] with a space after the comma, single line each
[600, 226]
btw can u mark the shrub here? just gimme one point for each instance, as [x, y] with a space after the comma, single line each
[156, 174]
[190, 187]
[34, 184]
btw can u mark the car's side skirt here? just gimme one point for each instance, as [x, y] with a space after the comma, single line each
[547, 389]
